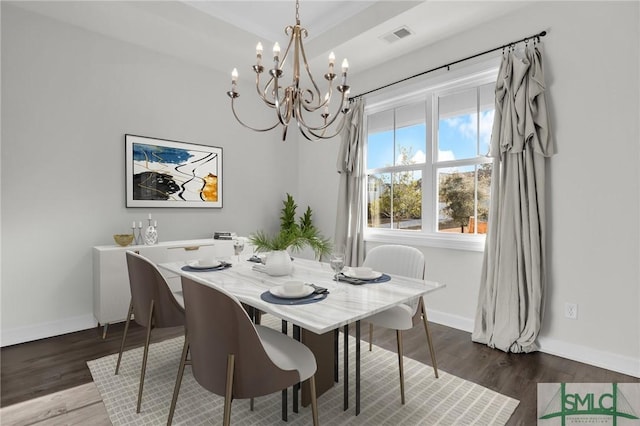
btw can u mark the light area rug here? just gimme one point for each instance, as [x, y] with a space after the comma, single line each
[448, 400]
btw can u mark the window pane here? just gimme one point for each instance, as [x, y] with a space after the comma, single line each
[407, 200]
[487, 108]
[380, 139]
[394, 200]
[411, 134]
[463, 198]
[458, 126]
[379, 200]
[484, 195]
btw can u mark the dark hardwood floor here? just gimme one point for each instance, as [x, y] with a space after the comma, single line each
[33, 369]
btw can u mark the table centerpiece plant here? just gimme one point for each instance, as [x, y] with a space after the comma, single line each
[292, 236]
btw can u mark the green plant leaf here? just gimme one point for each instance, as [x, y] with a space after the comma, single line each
[293, 236]
[306, 221]
[288, 214]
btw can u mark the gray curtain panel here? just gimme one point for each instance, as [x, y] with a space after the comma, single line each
[349, 217]
[511, 297]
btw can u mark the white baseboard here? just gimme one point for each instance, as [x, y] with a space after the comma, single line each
[450, 320]
[13, 336]
[608, 360]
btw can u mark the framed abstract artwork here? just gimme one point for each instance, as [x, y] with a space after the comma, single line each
[165, 173]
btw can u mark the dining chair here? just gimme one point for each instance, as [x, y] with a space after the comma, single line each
[408, 262]
[231, 356]
[153, 305]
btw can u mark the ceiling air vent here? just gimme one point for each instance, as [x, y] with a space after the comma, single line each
[397, 34]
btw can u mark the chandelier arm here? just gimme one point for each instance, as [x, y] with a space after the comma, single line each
[325, 102]
[286, 51]
[288, 105]
[235, 114]
[263, 95]
[312, 130]
[339, 111]
[321, 136]
[286, 117]
[273, 80]
[308, 71]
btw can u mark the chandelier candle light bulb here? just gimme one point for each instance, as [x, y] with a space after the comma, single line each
[301, 100]
[234, 79]
[276, 54]
[259, 54]
[332, 60]
[345, 67]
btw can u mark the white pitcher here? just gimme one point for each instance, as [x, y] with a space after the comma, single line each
[278, 263]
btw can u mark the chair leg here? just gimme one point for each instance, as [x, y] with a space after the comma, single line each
[144, 357]
[124, 335]
[176, 388]
[314, 400]
[429, 341]
[400, 364]
[228, 395]
[370, 336]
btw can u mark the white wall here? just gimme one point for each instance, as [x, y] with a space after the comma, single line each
[68, 98]
[591, 62]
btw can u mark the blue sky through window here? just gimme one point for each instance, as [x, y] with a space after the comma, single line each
[457, 139]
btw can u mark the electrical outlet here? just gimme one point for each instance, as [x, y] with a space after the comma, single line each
[571, 310]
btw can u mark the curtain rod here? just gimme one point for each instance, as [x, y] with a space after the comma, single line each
[504, 46]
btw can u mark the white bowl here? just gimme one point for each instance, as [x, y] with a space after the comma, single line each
[362, 272]
[207, 263]
[293, 287]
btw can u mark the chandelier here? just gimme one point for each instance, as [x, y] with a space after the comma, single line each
[305, 105]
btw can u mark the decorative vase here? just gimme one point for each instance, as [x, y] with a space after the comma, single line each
[278, 263]
[151, 235]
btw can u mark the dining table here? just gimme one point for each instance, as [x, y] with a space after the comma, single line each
[335, 306]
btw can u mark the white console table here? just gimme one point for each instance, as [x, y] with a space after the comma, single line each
[111, 292]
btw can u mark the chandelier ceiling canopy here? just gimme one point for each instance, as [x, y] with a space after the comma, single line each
[300, 101]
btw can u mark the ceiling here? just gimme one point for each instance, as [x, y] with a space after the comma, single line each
[223, 34]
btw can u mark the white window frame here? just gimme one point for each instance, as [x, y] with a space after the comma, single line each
[428, 91]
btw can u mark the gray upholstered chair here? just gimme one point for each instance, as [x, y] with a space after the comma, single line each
[230, 356]
[408, 262]
[152, 305]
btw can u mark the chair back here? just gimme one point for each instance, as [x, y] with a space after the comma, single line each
[147, 284]
[217, 326]
[397, 260]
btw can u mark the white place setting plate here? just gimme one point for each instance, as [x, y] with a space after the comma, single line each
[279, 291]
[202, 264]
[352, 274]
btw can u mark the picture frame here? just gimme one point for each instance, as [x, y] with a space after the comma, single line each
[166, 173]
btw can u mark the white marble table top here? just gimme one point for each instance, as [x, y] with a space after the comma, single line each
[345, 304]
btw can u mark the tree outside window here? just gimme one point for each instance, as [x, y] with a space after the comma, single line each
[427, 169]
